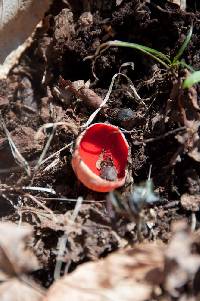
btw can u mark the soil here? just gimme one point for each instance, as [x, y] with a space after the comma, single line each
[156, 126]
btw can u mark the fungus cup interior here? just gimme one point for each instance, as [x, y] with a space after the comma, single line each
[102, 137]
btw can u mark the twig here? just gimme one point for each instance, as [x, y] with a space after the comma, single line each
[5, 188]
[93, 115]
[34, 199]
[43, 154]
[159, 137]
[62, 199]
[193, 221]
[40, 189]
[62, 244]
[53, 126]
[73, 218]
[77, 208]
[61, 250]
[136, 95]
[131, 85]
[170, 205]
[51, 165]
[56, 153]
[49, 125]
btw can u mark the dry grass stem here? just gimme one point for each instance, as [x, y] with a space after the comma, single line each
[19, 159]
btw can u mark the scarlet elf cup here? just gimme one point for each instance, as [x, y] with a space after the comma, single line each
[100, 146]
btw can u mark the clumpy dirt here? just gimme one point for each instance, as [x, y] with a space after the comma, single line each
[161, 128]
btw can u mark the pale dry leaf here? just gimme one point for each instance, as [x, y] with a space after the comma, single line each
[181, 265]
[18, 19]
[194, 153]
[191, 141]
[64, 25]
[17, 290]
[122, 275]
[119, 2]
[190, 202]
[14, 257]
[180, 3]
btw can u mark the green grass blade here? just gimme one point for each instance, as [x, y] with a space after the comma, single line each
[192, 79]
[184, 45]
[183, 64]
[157, 55]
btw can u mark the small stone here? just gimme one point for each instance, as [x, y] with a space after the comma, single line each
[126, 118]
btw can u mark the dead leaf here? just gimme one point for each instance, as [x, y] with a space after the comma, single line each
[16, 290]
[15, 260]
[119, 276]
[134, 274]
[191, 141]
[64, 25]
[14, 257]
[186, 110]
[181, 265]
[180, 3]
[190, 202]
[18, 21]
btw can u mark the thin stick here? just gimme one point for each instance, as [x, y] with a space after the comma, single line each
[69, 200]
[137, 97]
[41, 205]
[73, 218]
[193, 221]
[56, 153]
[5, 188]
[62, 244]
[93, 115]
[159, 137]
[72, 127]
[51, 165]
[43, 154]
[61, 249]
[40, 189]
[53, 126]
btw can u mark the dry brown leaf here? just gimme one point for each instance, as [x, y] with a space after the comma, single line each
[15, 290]
[189, 116]
[191, 141]
[15, 260]
[122, 275]
[14, 257]
[18, 21]
[134, 274]
[64, 25]
[181, 265]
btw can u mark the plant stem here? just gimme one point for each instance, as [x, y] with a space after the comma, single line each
[145, 50]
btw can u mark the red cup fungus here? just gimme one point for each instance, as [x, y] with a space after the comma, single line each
[100, 157]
